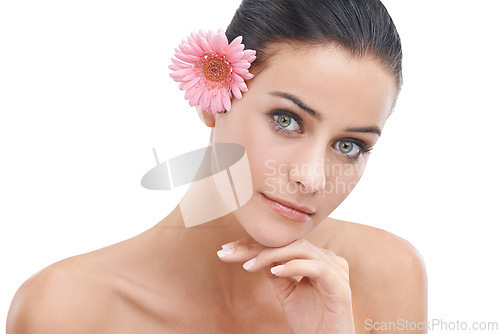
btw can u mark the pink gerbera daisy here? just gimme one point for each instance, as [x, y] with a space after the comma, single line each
[211, 70]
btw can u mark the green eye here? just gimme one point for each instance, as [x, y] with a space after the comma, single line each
[348, 147]
[284, 120]
[352, 148]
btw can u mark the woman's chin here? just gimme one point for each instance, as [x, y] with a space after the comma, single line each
[270, 229]
[269, 241]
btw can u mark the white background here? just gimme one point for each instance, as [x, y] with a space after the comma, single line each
[85, 95]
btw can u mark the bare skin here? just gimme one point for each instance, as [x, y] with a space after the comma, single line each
[170, 279]
[125, 287]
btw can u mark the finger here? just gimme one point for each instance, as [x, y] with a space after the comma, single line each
[338, 261]
[299, 249]
[283, 286]
[318, 271]
[243, 241]
[239, 251]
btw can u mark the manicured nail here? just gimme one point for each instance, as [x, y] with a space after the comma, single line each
[230, 245]
[277, 269]
[225, 252]
[247, 265]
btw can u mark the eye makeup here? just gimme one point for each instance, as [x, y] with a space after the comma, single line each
[277, 117]
[275, 121]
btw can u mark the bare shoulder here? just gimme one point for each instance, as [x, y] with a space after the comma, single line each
[65, 297]
[387, 273]
[358, 241]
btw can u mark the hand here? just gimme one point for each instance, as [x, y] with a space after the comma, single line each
[319, 302]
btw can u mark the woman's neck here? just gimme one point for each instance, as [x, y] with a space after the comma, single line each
[191, 254]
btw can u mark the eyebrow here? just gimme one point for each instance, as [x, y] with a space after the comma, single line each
[299, 103]
[319, 116]
[369, 129]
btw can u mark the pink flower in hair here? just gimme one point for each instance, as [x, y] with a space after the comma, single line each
[211, 70]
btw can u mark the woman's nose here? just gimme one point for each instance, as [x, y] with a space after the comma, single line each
[309, 174]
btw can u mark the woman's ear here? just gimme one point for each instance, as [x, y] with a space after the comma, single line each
[206, 117]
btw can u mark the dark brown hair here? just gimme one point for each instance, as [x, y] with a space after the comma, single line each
[360, 27]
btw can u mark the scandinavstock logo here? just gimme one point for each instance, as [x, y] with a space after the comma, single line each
[335, 178]
[218, 171]
[193, 166]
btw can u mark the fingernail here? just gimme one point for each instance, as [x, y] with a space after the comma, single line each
[247, 265]
[230, 245]
[225, 252]
[277, 269]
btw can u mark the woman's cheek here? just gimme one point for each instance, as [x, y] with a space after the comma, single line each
[266, 163]
[339, 185]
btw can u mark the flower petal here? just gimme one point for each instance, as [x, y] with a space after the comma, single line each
[205, 45]
[190, 93]
[242, 86]
[174, 67]
[197, 50]
[198, 39]
[212, 41]
[237, 78]
[235, 42]
[183, 49]
[236, 91]
[210, 99]
[194, 100]
[188, 58]
[248, 54]
[226, 100]
[222, 41]
[180, 63]
[181, 73]
[205, 98]
[219, 104]
[190, 77]
[193, 49]
[204, 33]
[193, 38]
[234, 56]
[245, 75]
[235, 47]
[240, 64]
[192, 82]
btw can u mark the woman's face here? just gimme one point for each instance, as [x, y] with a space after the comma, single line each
[305, 122]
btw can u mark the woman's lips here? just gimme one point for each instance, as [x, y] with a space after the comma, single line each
[286, 211]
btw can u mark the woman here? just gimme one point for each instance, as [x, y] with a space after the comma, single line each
[327, 74]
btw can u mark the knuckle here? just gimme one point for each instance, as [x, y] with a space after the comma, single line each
[265, 253]
[323, 268]
[252, 247]
[343, 262]
[330, 254]
[304, 243]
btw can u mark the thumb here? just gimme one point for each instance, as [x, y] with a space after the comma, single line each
[283, 286]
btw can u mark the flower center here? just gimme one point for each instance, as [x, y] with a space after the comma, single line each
[215, 69]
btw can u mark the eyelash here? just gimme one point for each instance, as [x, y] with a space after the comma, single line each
[363, 147]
